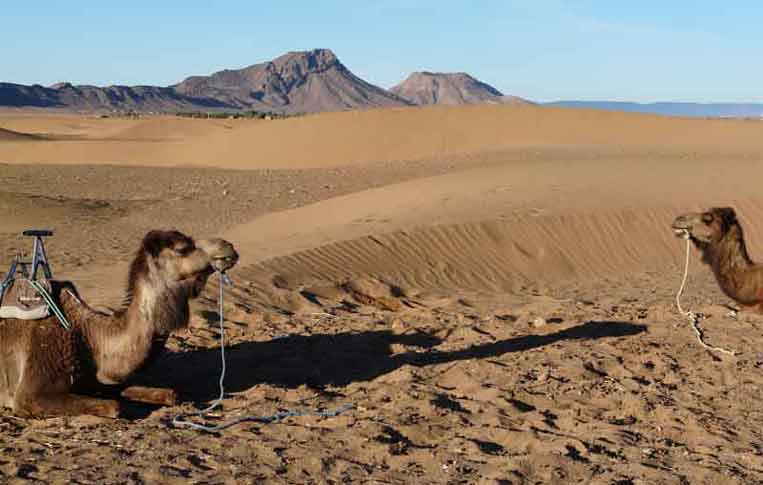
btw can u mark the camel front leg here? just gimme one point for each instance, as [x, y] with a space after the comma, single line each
[150, 395]
[65, 404]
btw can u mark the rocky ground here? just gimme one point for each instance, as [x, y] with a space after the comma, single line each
[565, 386]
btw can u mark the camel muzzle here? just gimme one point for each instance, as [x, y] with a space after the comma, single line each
[683, 225]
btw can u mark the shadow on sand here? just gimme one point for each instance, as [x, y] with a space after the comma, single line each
[337, 359]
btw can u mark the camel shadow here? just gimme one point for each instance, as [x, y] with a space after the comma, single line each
[337, 360]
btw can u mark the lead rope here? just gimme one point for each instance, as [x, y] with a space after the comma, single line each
[694, 318]
[51, 304]
[181, 421]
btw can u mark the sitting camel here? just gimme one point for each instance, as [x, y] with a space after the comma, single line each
[44, 367]
[718, 235]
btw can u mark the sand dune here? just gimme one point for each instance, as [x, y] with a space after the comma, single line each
[9, 135]
[150, 129]
[497, 228]
[496, 257]
[59, 125]
[337, 139]
[171, 129]
[493, 256]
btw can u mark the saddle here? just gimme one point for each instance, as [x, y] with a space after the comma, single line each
[25, 292]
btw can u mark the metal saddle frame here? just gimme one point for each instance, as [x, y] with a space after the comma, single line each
[30, 271]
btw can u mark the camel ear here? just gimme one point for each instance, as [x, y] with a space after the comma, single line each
[154, 242]
[728, 215]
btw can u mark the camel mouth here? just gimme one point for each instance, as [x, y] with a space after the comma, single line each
[682, 226]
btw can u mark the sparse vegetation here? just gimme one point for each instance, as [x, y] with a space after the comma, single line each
[252, 114]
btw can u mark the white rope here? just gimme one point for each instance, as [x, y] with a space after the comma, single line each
[180, 420]
[694, 318]
[51, 304]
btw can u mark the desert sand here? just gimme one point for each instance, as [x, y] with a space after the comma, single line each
[491, 287]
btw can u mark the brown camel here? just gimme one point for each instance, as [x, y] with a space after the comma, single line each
[719, 236]
[45, 369]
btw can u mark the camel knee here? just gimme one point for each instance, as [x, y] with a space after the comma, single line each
[65, 405]
[27, 406]
[151, 395]
[105, 408]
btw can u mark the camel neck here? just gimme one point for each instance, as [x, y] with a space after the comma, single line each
[728, 257]
[118, 343]
[161, 307]
[121, 343]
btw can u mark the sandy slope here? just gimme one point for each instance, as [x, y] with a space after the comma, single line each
[501, 313]
[10, 135]
[72, 128]
[520, 220]
[338, 139]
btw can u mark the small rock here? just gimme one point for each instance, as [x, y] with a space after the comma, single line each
[25, 471]
[507, 318]
[538, 322]
[466, 302]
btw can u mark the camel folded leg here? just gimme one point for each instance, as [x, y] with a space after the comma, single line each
[754, 308]
[150, 395]
[48, 405]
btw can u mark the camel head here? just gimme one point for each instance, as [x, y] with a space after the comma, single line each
[172, 256]
[222, 255]
[172, 260]
[705, 227]
[169, 269]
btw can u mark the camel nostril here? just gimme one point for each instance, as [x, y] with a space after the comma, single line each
[681, 222]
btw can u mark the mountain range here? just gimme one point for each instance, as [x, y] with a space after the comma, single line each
[697, 110]
[309, 82]
[296, 82]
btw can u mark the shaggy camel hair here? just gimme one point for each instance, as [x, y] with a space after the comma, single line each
[719, 237]
[45, 370]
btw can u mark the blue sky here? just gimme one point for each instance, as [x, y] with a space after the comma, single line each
[539, 49]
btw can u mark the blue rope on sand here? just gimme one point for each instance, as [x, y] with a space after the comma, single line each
[180, 420]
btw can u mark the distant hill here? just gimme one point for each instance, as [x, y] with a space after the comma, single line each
[425, 88]
[701, 110]
[307, 82]
[92, 98]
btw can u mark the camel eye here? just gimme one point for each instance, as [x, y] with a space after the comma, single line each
[707, 218]
[183, 250]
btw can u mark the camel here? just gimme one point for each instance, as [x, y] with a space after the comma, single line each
[46, 370]
[719, 237]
